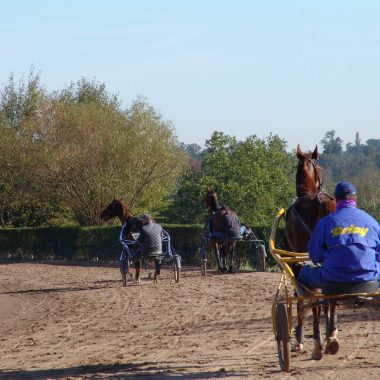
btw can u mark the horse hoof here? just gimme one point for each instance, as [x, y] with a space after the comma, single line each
[332, 346]
[230, 270]
[317, 351]
[224, 269]
[137, 281]
[317, 355]
[297, 347]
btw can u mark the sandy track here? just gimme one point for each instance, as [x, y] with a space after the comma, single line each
[78, 322]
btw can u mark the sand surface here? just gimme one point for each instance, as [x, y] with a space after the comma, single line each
[78, 322]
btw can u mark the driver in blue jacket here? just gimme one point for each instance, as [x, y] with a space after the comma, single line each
[345, 245]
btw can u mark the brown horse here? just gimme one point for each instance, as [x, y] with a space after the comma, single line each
[224, 248]
[311, 204]
[131, 224]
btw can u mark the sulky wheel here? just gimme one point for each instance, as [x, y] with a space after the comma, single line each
[176, 268]
[283, 337]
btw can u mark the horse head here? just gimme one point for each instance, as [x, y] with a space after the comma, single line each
[116, 209]
[309, 176]
[312, 201]
[211, 200]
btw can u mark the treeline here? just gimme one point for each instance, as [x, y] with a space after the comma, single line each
[358, 163]
[64, 155]
[257, 177]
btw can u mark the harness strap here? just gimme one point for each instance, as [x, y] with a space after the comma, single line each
[298, 217]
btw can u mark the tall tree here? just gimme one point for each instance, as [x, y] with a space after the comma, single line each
[77, 150]
[331, 144]
[91, 154]
[20, 204]
[255, 177]
[20, 101]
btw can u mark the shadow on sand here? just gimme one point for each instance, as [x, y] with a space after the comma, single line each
[122, 371]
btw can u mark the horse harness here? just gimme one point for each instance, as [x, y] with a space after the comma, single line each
[317, 178]
[294, 211]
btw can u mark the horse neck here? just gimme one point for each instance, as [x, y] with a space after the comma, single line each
[214, 205]
[125, 215]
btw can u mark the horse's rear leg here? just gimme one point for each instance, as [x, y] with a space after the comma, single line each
[217, 257]
[298, 346]
[332, 344]
[317, 351]
[326, 312]
[222, 250]
[137, 267]
[157, 269]
[230, 247]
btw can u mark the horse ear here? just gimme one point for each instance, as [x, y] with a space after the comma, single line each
[299, 152]
[315, 153]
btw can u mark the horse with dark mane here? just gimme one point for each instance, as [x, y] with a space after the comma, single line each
[130, 224]
[224, 245]
[312, 203]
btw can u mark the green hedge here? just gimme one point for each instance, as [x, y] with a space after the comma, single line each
[101, 243]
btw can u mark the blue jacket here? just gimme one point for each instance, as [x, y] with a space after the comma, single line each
[345, 242]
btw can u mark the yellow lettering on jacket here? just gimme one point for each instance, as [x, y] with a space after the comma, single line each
[337, 231]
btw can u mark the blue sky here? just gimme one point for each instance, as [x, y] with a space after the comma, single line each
[292, 68]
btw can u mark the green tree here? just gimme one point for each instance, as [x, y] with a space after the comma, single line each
[186, 205]
[20, 101]
[20, 204]
[193, 150]
[332, 144]
[255, 177]
[87, 91]
[368, 190]
[75, 150]
[90, 153]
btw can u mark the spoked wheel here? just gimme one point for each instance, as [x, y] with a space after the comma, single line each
[176, 268]
[203, 267]
[283, 337]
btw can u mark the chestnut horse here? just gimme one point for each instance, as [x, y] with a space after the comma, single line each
[130, 224]
[224, 248]
[312, 203]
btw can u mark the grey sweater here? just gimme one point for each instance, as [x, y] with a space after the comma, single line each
[150, 239]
